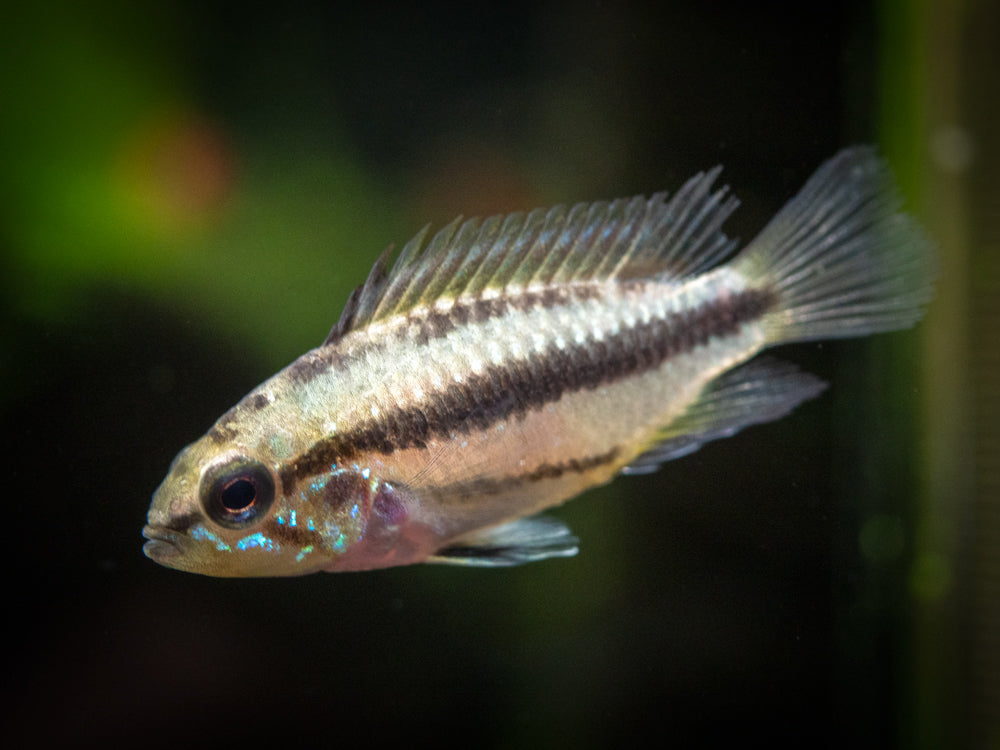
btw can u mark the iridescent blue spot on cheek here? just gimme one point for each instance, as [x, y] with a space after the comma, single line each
[305, 551]
[257, 540]
[310, 525]
[336, 537]
[200, 533]
[291, 521]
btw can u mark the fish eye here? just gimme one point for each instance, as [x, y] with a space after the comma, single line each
[237, 493]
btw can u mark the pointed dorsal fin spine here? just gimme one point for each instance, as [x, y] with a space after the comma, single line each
[586, 243]
[476, 268]
[459, 264]
[415, 290]
[546, 257]
[400, 281]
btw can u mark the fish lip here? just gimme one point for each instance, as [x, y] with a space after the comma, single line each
[163, 544]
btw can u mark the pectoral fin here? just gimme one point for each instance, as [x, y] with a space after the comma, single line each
[514, 543]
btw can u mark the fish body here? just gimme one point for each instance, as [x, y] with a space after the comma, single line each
[508, 364]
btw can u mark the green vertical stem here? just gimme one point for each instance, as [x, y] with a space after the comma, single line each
[980, 561]
[939, 107]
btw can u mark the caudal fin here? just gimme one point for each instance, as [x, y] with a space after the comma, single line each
[841, 257]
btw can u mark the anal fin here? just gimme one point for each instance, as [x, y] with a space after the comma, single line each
[762, 390]
[514, 543]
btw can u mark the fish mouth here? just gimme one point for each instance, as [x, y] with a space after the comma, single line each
[162, 545]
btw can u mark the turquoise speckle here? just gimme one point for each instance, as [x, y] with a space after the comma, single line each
[257, 540]
[291, 521]
[305, 551]
[338, 538]
[201, 533]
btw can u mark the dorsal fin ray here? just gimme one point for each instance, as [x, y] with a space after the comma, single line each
[415, 277]
[366, 293]
[589, 242]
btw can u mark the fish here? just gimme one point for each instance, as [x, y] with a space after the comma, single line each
[507, 364]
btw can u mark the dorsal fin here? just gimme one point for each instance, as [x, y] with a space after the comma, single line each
[366, 292]
[625, 238]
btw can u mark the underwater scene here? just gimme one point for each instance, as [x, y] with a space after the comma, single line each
[799, 548]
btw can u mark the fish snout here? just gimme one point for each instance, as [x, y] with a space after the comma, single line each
[162, 545]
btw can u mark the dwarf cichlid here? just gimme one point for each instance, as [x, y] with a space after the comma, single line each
[509, 364]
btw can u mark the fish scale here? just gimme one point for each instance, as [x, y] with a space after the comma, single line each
[504, 366]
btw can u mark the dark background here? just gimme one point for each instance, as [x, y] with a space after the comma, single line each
[192, 191]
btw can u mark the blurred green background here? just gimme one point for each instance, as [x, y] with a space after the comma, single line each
[188, 193]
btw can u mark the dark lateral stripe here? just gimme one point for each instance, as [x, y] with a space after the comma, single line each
[482, 487]
[511, 390]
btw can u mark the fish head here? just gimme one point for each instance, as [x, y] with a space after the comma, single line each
[224, 511]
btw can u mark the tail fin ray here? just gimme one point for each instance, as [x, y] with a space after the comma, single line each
[841, 257]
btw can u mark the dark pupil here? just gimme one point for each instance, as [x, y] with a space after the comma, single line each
[238, 495]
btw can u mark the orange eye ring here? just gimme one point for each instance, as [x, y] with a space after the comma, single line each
[238, 492]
